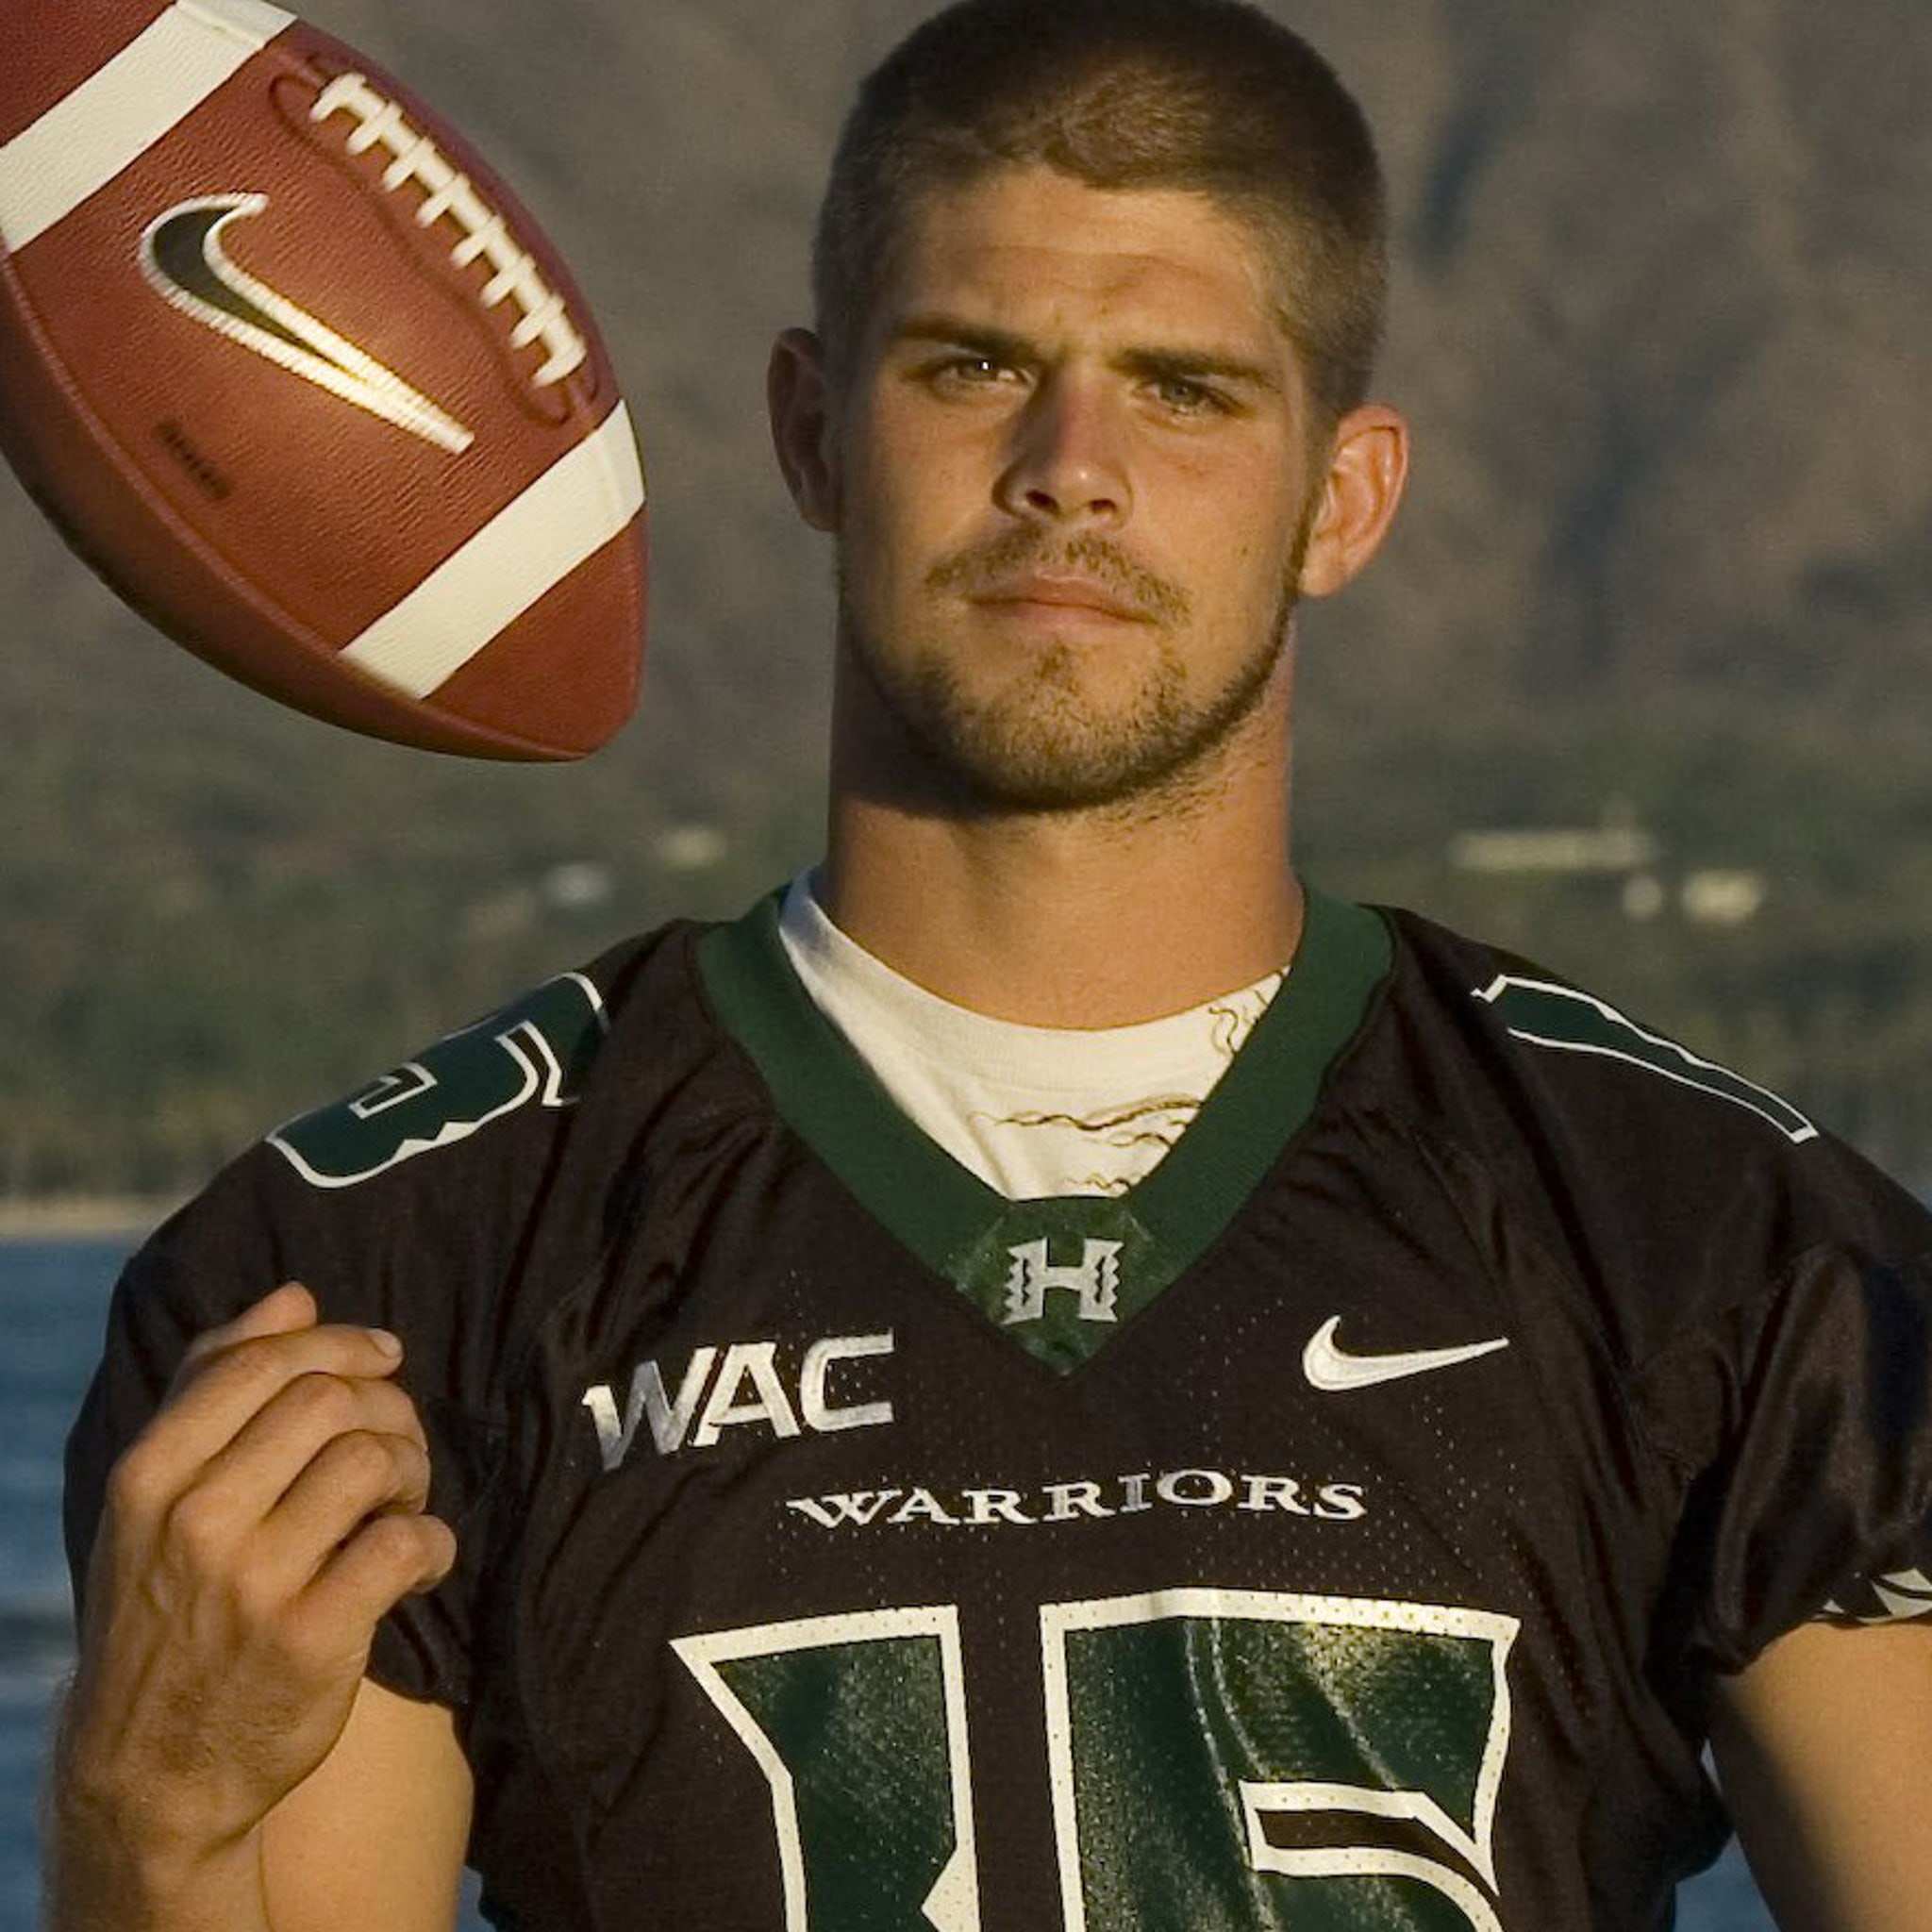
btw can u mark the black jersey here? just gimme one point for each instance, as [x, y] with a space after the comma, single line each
[1341, 1528]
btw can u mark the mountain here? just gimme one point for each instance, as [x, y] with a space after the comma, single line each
[1664, 328]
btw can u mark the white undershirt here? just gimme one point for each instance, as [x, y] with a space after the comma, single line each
[1032, 1110]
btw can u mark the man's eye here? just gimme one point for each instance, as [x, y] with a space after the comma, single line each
[971, 372]
[1184, 397]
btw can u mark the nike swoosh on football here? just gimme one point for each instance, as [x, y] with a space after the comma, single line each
[1330, 1366]
[182, 257]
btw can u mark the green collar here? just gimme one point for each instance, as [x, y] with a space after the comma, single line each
[1059, 1276]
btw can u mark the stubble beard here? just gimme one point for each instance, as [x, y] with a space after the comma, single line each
[1045, 743]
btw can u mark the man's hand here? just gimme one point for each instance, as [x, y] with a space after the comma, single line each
[254, 1534]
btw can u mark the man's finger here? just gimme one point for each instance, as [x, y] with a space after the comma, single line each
[354, 1479]
[388, 1558]
[253, 1473]
[210, 1408]
[278, 1312]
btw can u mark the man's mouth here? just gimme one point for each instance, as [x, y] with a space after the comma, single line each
[1051, 591]
[1027, 571]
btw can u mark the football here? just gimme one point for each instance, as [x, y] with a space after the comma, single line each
[291, 368]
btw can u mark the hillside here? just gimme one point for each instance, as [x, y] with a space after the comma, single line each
[1664, 327]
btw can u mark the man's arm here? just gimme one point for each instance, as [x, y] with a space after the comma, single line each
[1823, 1746]
[374, 1838]
[221, 1761]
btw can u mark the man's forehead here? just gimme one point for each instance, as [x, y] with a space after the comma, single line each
[1036, 246]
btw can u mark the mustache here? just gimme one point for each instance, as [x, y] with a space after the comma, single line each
[985, 568]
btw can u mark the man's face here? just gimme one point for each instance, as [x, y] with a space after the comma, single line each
[1070, 484]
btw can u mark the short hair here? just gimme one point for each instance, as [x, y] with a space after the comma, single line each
[1209, 96]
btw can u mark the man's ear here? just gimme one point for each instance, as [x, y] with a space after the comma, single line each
[1368, 466]
[798, 398]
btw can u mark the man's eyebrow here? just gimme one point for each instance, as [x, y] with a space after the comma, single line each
[1198, 365]
[978, 339]
[1147, 364]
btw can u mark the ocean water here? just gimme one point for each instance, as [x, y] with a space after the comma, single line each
[53, 1296]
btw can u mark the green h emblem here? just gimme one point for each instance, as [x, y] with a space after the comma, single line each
[1094, 1280]
[1063, 1277]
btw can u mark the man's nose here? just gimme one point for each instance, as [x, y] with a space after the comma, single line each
[1069, 456]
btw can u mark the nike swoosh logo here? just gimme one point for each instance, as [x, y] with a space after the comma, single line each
[1329, 1366]
[182, 257]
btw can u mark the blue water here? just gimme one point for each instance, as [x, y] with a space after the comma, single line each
[53, 1296]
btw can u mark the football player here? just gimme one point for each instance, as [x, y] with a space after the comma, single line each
[1051, 1374]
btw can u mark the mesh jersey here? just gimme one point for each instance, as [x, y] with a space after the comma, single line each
[1340, 1529]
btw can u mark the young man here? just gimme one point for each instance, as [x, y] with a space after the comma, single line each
[1054, 1376]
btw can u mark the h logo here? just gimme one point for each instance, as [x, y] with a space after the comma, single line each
[1096, 1279]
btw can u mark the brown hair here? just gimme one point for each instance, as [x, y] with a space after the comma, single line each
[1209, 96]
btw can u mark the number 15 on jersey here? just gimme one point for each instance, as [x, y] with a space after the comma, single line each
[1177, 1724]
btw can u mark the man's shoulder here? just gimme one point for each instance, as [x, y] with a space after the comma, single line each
[479, 1096]
[1548, 1037]
[463, 1163]
[1557, 1089]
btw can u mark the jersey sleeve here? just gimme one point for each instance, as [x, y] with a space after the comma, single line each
[1801, 1416]
[223, 1254]
[438, 1203]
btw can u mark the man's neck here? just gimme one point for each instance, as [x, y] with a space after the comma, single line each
[1067, 920]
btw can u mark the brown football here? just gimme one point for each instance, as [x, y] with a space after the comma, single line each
[292, 368]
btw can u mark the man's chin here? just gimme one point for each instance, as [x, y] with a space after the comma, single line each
[1070, 730]
[1017, 769]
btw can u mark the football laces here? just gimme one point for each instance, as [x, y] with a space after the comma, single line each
[450, 195]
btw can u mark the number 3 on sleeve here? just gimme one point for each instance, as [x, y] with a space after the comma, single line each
[536, 1052]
